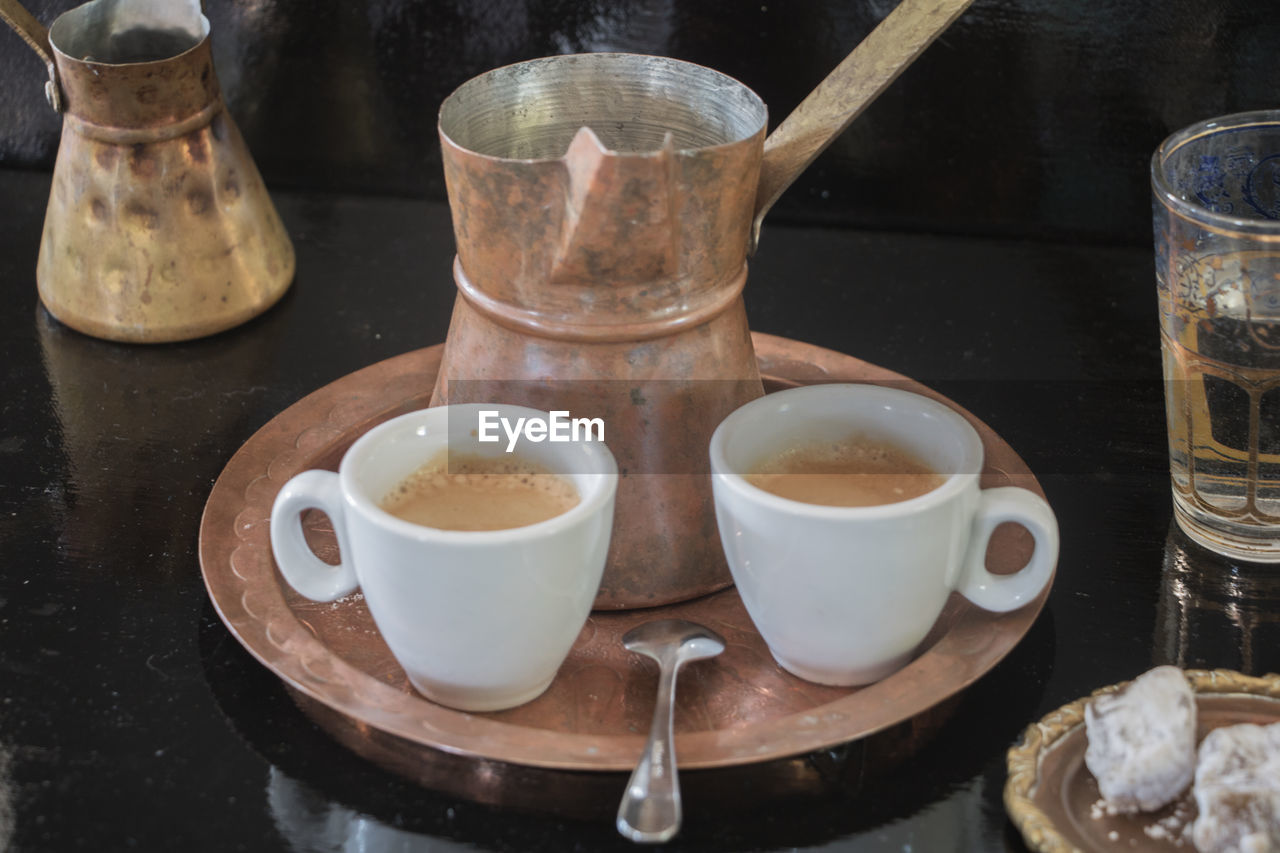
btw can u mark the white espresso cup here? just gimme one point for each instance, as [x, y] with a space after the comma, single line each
[479, 620]
[844, 595]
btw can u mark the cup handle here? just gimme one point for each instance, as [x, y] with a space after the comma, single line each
[304, 571]
[1001, 593]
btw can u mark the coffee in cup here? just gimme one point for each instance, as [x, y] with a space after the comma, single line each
[853, 471]
[480, 619]
[466, 491]
[844, 595]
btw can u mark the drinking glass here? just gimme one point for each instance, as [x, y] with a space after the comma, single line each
[1216, 202]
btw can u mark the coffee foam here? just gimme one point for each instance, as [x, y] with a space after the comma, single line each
[854, 471]
[459, 491]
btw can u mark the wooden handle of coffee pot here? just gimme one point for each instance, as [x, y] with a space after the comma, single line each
[36, 35]
[857, 81]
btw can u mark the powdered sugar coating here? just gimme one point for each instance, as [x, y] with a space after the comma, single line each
[1142, 741]
[1237, 790]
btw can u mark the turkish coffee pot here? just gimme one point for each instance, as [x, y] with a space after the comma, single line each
[604, 206]
[159, 227]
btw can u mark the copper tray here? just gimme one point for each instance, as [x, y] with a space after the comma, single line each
[1050, 794]
[740, 708]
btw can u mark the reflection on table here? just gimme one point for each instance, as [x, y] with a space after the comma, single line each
[1216, 613]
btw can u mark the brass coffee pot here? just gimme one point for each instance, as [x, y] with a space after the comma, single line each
[604, 206]
[159, 227]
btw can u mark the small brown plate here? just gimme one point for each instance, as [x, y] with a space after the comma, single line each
[1053, 798]
[740, 708]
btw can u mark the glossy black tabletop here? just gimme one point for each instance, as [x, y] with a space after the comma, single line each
[130, 718]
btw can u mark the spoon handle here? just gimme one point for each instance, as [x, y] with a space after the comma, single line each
[650, 808]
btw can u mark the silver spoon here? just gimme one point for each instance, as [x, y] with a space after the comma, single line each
[650, 808]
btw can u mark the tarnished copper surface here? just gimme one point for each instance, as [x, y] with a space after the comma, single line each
[621, 229]
[585, 796]
[664, 546]
[159, 227]
[601, 208]
[1050, 793]
[740, 708]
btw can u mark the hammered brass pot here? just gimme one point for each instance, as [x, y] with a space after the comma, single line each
[159, 227]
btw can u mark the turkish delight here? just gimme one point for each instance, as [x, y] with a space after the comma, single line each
[1237, 790]
[1142, 741]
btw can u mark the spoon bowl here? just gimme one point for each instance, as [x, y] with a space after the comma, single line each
[689, 640]
[650, 811]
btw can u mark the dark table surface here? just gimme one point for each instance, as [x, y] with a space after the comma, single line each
[131, 718]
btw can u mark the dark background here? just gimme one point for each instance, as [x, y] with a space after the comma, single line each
[130, 718]
[1027, 118]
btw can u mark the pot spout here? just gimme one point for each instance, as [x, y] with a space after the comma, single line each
[626, 202]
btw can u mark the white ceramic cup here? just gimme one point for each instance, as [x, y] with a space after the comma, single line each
[479, 620]
[843, 595]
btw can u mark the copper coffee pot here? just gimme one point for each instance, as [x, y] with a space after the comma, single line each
[158, 227]
[604, 206]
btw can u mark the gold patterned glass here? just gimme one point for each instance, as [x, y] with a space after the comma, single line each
[1216, 191]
